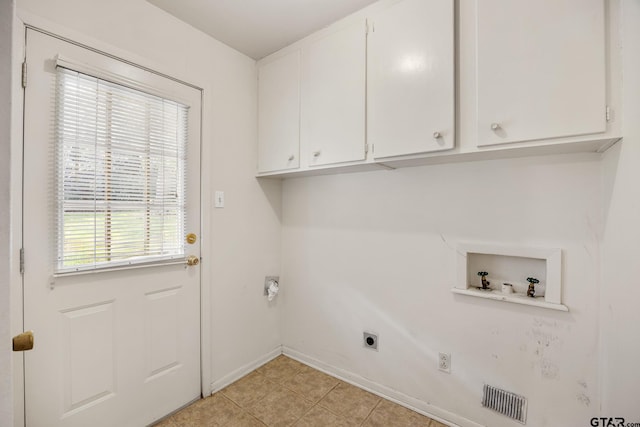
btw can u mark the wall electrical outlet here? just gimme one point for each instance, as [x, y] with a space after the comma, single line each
[370, 340]
[444, 362]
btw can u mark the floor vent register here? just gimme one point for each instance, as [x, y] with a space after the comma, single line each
[505, 403]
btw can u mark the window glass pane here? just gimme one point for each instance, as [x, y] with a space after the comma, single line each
[120, 172]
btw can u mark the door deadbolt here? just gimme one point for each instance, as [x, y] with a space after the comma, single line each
[193, 260]
[23, 342]
[191, 238]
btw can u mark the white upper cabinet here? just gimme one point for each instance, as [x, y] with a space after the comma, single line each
[541, 69]
[333, 97]
[279, 113]
[381, 88]
[411, 78]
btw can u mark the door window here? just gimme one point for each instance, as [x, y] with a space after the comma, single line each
[120, 174]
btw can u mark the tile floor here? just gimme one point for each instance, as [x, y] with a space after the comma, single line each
[285, 392]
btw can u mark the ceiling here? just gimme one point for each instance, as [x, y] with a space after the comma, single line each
[259, 27]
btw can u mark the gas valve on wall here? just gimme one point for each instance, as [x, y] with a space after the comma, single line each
[271, 287]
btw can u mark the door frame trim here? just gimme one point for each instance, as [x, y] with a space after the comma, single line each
[24, 22]
[15, 220]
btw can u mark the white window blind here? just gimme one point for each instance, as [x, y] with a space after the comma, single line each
[120, 172]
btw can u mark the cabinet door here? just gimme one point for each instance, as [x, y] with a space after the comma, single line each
[333, 97]
[541, 69]
[411, 78]
[279, 114]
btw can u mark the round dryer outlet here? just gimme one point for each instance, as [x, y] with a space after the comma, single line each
[370, 340]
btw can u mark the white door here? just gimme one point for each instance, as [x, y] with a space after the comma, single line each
[411, 78]
[116, 343]
[333, 97]
[541, 69]
[279, 113]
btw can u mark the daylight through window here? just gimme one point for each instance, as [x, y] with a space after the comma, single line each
[120, 174]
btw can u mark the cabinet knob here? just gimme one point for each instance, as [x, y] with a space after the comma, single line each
[291, 157]
[495, 126]
[316, 153]
[437, 135]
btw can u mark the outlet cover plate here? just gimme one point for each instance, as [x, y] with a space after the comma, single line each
[219, 199]
[444, 362]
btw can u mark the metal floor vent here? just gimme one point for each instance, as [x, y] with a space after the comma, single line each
[505, 403]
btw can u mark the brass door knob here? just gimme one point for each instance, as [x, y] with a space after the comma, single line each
[193, 260]
[23, 342]
[191, 238]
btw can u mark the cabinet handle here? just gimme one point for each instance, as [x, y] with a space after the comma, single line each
[291, 157]
[437, 135]
[316, 153]
[495, 126]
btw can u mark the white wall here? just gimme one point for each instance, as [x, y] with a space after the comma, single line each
[239, 245]
[376, 251]
[6, 383]
[620, 306]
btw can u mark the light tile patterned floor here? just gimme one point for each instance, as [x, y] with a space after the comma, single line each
[285, 392]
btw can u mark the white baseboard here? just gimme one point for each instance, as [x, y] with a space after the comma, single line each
[234, 376]
[412, 403]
